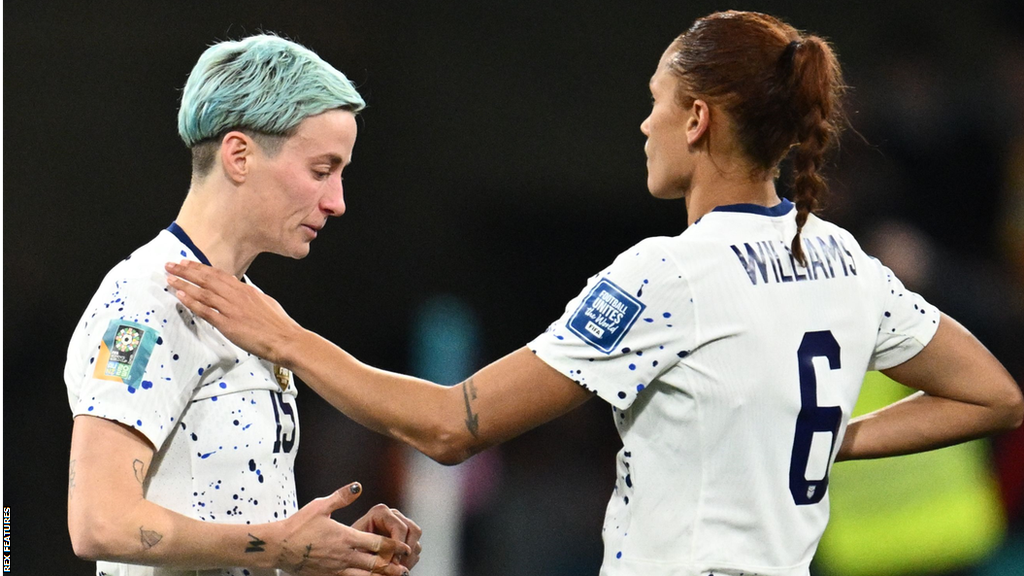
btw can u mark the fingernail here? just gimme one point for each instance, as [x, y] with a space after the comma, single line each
[406, 573]
[355, 488]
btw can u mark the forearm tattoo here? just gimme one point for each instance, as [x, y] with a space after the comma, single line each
[255, 545]
[71, 480]
[472, 420]
[140, 470]
[149, 538]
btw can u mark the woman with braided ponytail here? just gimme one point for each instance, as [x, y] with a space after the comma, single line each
[732, 354]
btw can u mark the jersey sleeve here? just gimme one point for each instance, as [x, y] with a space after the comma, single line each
[136, 358]
[906, 325]
[631, 323]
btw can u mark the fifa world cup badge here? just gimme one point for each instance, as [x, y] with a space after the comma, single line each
[124, 352]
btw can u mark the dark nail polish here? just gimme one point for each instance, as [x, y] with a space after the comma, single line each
[355, 488]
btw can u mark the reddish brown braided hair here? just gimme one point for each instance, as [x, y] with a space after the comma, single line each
[783, 90]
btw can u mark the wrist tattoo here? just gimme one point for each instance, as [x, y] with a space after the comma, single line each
[149, 538]
[255, 545]
[472, 420]
[139, 469]
[71, 480]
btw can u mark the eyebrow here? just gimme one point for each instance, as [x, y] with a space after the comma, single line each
[333, 159]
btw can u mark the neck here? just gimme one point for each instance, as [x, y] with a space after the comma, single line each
[211, 220]
[717, 187]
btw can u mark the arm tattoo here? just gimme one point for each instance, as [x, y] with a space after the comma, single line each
[139, 468]
[255, 545]
[149, 538]
[71, 480]
[472, 420]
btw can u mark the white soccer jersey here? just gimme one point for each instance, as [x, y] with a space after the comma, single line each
[732, 373]
[223, 422]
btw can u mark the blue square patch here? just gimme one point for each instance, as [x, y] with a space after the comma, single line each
[605, 316]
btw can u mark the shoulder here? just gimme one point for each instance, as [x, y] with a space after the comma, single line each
[142, 273]
[136, 290]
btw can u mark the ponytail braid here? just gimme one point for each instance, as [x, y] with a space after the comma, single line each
[816, 86]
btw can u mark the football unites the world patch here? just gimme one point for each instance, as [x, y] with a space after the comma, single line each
[605, 316]
[125, 351]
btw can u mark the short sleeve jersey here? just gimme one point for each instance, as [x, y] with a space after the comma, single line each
[223, 422]
[732, 372]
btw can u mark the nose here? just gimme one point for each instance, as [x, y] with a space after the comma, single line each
[645, 126]
[333, 202]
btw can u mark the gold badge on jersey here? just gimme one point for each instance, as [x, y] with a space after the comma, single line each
[283, 375]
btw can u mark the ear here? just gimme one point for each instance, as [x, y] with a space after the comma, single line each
[236, 151]
[698, 122]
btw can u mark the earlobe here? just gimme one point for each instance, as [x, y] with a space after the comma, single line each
[236, 155]
[698, 123]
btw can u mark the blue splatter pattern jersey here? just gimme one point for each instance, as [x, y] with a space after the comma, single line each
[223, 422]
[732, 372]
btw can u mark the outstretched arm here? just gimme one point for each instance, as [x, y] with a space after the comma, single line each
[965, 393]
[109, 519]
[449, 424]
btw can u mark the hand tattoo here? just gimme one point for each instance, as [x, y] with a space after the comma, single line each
[149, 537]
[71, 480]
[139, 468]
[305, 557]
[472, 420]
[255, 545]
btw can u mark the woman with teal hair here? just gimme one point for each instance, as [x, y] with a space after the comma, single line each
[183, 447]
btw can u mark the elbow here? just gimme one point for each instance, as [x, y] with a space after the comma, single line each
[1008, 409]
[449, 447]
[1015, 411]
[93, 537]
[88, 543]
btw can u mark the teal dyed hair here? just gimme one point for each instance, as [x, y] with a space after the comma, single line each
[262, 84]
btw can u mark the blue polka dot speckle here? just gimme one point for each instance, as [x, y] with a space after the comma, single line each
[632, 366]
[200, 371]
[183, 254]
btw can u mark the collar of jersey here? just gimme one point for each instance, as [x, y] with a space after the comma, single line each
[181, 235]
[780, 209]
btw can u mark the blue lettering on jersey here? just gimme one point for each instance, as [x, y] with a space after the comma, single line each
[605, 316]
[826, 258]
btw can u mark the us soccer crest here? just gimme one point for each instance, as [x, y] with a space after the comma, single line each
[124, 352]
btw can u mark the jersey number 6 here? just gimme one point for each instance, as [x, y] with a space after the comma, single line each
[813, 418]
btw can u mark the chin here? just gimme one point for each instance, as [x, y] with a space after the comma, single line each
[663, 192]
[294, 252]
[666, 190]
